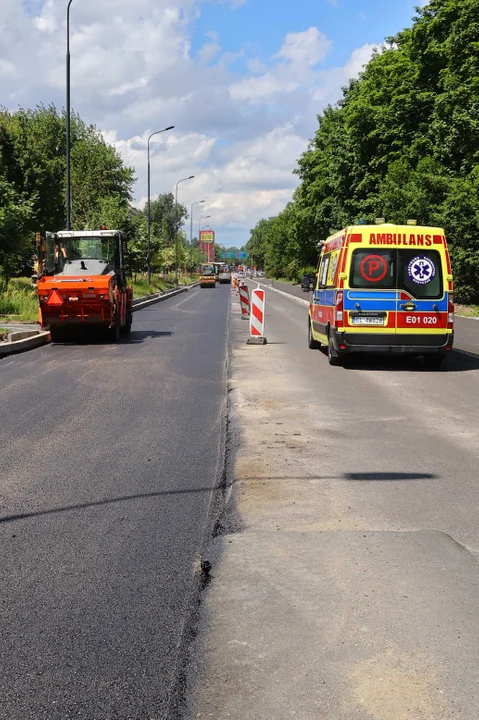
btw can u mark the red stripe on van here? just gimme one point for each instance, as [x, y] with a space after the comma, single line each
[355, 237]
[448, 263]
[437, 239]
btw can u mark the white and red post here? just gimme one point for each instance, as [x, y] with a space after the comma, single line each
[256, 322]
[244, 299]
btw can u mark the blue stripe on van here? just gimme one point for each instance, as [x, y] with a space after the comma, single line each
[372, 295]
[387, 301]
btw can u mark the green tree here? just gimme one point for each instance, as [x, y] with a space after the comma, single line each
[401, 143]
[32, 163]
[166, 222]
[15, 217]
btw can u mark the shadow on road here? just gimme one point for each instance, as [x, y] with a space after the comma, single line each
[364, 476]
[99, 503]
[97, 338]
[382, 476]
[456, 361]
[138, 336]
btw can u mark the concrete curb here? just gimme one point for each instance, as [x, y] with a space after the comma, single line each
[18, 346]
[281, 292]
[42, 338]
[146, 300]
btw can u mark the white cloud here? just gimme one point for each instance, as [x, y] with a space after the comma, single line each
[305, 48]
[358, 59]
[133, 71]
[209, 51]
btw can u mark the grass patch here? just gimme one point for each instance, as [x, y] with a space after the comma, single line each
[19, 301]
[467, 310]
[285, 281]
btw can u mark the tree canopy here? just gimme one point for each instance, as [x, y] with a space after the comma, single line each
[402, 143]
[33, 187]
[33, 180]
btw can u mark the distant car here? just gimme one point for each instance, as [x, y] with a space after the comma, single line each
[240, 274]
[260, 273]
[224, 276]
[306, 283]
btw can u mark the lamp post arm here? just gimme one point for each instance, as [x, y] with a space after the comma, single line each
[68, 116]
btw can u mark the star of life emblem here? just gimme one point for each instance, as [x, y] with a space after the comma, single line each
[421, 270]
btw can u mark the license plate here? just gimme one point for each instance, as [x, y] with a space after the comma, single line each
[368, 320]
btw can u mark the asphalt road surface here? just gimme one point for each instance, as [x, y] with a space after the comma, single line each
[110, 456]
[351, 592]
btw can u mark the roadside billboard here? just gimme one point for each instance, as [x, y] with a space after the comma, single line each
[207, 245]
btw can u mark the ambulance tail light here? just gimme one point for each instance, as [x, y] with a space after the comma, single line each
[450, 310]
[339, 307]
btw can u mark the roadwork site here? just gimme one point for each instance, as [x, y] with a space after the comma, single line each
[345, 583]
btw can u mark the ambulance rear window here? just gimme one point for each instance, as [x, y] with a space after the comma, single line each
[417, 271]
[373, 269]
[420, 273]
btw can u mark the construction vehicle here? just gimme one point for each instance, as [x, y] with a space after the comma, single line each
[82, 283]
[207, 275]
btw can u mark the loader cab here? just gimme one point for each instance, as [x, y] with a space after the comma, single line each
[84, 253]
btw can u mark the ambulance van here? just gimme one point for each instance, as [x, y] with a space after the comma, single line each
[384, 289]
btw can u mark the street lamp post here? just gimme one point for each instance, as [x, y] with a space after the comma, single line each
[68, 190]
[157, 132]
[176, 223]
[197, 202]
[191, 218]
[204, 217]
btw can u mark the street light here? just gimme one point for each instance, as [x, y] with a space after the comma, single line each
[191, 218]
[176, 222]
[68, 191]
[204, 217]
[157, 132]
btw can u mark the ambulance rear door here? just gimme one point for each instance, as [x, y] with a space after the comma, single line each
[422, 302]
[371, 301]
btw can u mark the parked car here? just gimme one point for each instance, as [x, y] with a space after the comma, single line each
[306, 283]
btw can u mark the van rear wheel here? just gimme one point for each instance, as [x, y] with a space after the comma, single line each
[333, 357]
[312, 343]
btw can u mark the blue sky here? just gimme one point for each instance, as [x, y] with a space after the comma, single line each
[241, 80]
[260, 25]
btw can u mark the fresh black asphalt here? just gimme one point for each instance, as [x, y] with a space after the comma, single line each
[110, 457]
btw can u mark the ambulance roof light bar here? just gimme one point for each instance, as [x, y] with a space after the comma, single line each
[412, 222]
[380, 221]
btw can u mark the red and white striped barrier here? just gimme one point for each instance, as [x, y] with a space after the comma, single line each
[244, 299]
[256, 323]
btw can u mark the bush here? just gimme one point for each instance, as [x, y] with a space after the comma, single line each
[19, 300]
